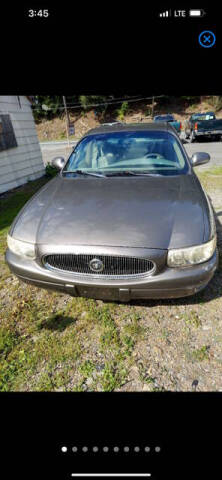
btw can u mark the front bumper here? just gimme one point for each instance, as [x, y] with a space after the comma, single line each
[168, 283]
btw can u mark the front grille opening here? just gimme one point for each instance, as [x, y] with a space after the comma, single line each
[112, 266]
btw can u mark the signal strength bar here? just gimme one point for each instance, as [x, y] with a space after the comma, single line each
[167, 13]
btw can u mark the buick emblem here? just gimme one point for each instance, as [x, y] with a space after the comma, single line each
[96, 265]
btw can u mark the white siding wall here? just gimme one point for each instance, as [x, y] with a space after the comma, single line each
[24, 162]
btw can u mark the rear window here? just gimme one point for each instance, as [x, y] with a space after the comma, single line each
[205, 116]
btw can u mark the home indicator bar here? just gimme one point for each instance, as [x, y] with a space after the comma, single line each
[111, 475]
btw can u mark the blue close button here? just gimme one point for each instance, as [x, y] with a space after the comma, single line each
[207, 39]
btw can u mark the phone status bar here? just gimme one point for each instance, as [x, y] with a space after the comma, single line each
[192, 13]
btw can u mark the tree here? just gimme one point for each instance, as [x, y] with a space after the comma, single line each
[50, 106]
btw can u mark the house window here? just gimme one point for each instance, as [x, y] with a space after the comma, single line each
[7, 135]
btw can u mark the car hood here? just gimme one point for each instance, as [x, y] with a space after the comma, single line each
[152, 212]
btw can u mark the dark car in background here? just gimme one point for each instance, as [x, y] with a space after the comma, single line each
[203, 125]
[169, 119]
[125, 218]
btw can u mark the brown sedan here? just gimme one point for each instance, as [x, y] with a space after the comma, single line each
[126, 217]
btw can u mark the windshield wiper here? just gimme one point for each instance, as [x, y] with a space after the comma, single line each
[145, 173]
[131, 172]
[82, 172]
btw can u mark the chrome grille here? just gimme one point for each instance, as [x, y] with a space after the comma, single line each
[113, 266]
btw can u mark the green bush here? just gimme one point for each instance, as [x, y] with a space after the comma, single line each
[50, 171]
[121, 112]
[87, 102]
[51, 102]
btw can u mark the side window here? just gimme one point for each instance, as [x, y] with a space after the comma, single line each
[7, 135]
[179, 155]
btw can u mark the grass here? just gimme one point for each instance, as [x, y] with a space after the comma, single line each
[52, 342]
[48, 351]
[192, 319]
[201, 354]
[210, 179]
[145, 377]
[215, 171]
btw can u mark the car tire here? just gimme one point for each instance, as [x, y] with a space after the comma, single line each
[218, 138]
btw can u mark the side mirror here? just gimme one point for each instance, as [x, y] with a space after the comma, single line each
[199, 158]
[58, 162]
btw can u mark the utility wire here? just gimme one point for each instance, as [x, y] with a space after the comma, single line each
[102, 103]
[107, 101]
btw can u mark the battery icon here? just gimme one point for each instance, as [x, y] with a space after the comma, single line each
[197, 13]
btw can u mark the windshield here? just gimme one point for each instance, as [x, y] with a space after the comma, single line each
[138, 151]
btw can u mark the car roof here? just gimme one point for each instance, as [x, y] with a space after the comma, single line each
[131, 127]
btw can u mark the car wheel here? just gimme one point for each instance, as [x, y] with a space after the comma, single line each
[218, 138]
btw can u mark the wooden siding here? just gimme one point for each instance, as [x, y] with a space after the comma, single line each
[20, 164]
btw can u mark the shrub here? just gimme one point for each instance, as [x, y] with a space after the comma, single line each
[51, 103]
[121, 112]
[87, 101]
[50, 171]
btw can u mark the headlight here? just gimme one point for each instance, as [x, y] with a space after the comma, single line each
[23, 249]
[181, 257]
